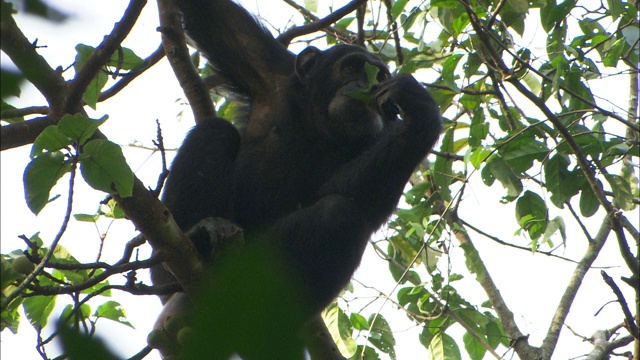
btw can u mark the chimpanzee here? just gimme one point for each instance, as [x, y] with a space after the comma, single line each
[315, 169]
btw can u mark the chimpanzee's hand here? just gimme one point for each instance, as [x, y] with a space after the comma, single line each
[403, 96]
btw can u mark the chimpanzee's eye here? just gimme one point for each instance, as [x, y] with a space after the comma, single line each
[383, 75]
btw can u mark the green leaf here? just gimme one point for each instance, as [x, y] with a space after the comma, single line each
[585, 139]
[127, 59]
[479, 129]
[552, 13]
[99, 286]
[478, 156]
[474, 348]
[443, 347]
[311, 5]
[69, 315]
[104, 168]
[340, 328]
[615, 52]
[397, 8]
[522, 151]
[112, 310]
[86, 217]
[359, 322]
[555, 44]
[50, 139]
[514, 14]
[500, 170]
[417, 192]
[364, 93]
[83, 52]
[369, 353]
[112, 210]
[473, 262]
[494, 333]
[559, 181]
[79, 127]
[615, 7]
[589, 203]
[94, 88]
[472, 65]
[623, 198]
[381, 335]
[40, 176]
[10, 315]
[448, 71]
[62, 256]
[532, 214]
[37, 309]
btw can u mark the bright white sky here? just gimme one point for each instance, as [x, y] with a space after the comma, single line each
[531, 285]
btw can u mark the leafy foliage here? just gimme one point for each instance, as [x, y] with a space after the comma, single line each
[527, 119]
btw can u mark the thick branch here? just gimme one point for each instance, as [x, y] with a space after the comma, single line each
[102, 55]
[33, 66]
[61, 99]
[154, 220]
[175, 46]
[319, 341]
[30, 110]
[602, 348]
[551, 340]
[23, 133]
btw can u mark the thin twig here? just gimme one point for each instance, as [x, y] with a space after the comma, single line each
[628, 317]
[47, 257]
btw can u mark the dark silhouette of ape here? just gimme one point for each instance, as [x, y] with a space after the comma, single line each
[315, 171]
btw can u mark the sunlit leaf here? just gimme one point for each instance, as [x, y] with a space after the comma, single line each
[104, 167]
[112, 310]
[443, 347]
[40, 176]
[37, 309]
[381, 335]
[532, 214]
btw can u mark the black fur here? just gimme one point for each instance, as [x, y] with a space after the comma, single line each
[315, 170]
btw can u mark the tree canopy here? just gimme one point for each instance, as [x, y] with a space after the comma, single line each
[540, 105]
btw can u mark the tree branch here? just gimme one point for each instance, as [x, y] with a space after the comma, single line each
[24, 132]
[393, 30]
[628, 317]
[320, 24]
[175, 46]
[519, 341]
[102, 55]
[133, 74]
[33, 66]
[550, 341]
[15, 113]
[47, 257]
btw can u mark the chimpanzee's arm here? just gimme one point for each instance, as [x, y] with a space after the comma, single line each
[375, 180]
[198, 185]
[326, 240]
[243, 51]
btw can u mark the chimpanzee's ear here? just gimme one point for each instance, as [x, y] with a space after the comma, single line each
[305, 61]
